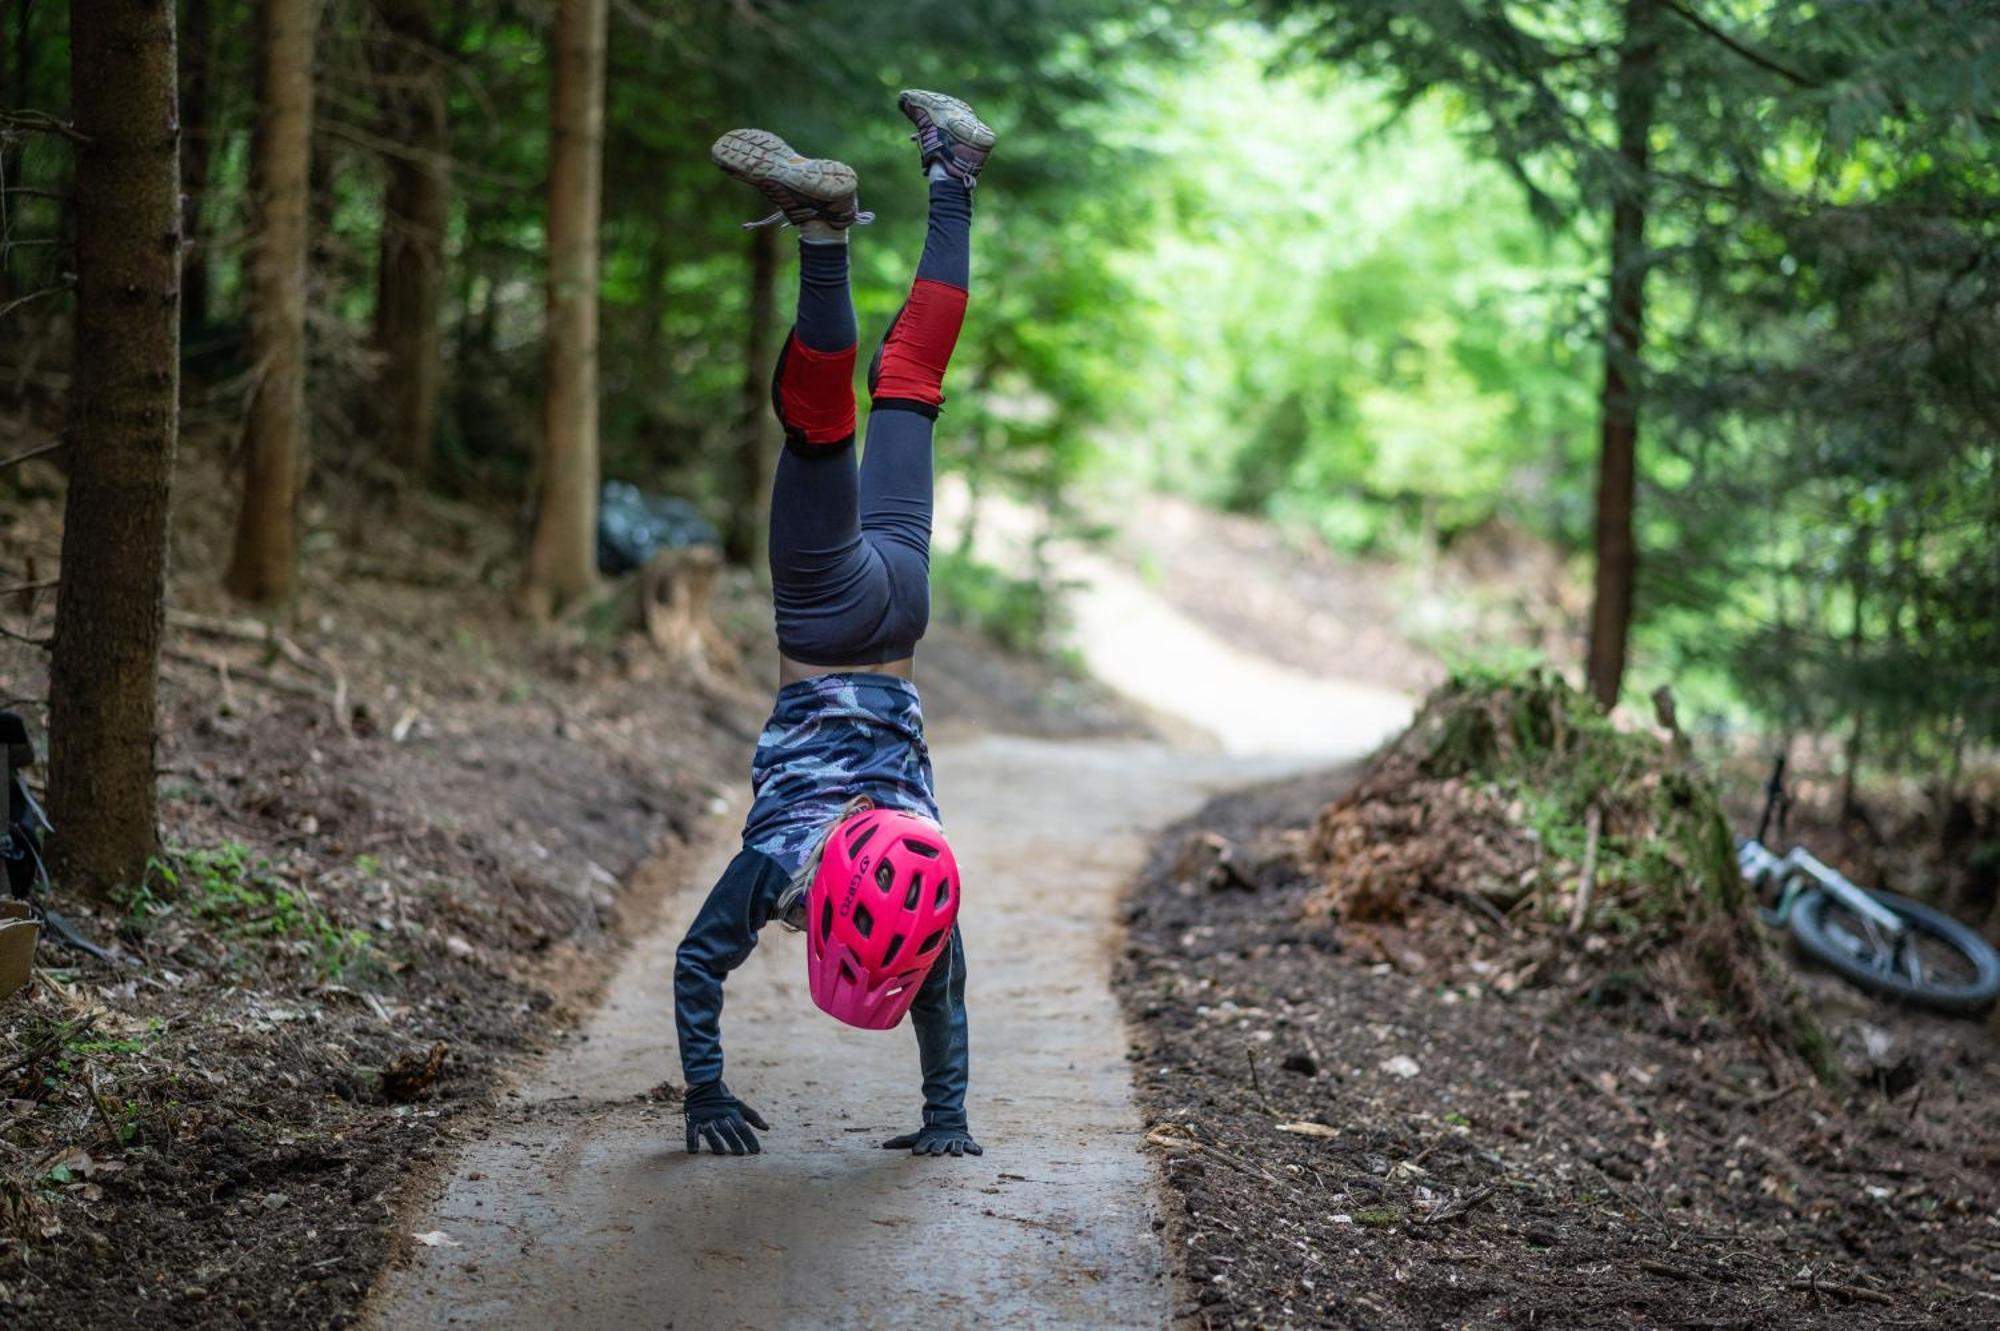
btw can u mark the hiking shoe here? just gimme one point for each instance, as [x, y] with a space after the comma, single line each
[806, 189]
[948, 133]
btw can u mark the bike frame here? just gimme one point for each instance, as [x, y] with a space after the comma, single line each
[1800, 871]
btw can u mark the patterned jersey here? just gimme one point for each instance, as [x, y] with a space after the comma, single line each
[832, 738]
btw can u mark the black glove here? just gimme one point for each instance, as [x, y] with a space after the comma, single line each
[932, 1140]
[720, 1119]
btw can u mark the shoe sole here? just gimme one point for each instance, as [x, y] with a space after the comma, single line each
[953, 116]
[759, 157]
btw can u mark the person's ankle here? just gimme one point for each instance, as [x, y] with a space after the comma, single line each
[822, 233]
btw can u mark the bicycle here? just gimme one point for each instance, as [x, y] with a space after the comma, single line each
[24, 873]
[1886, 944]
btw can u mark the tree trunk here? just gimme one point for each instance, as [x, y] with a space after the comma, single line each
[197, 153]
[1636, 85]
[123, 416]
[757, 447]
[562, 564]
[264, 566]
[411, 275]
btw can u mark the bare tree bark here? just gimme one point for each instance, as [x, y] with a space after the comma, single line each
[197, 154]
[264, 566]
[123, 418]
[411, 276]
[1636, 85]
[757, 450]
[562, 563]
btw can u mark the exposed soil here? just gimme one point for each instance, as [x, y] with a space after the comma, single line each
[1345, 1144]
[404, 844]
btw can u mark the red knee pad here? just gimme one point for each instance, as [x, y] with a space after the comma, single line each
[911, 363]
[813, 394]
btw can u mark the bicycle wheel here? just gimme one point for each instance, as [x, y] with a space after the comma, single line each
[1957, 971]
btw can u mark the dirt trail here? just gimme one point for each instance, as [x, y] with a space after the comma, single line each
[582, 1208]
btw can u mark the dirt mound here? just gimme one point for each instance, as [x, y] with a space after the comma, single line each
[1493, 793]
[1514, 837]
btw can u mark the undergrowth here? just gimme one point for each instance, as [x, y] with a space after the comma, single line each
[1021, 614]
[242, 899]
[1489, 799]
[1555, 753]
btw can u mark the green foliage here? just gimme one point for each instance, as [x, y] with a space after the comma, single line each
[1020, 613]
[1354, 329]
[1539, 743]
[241, 898]
[1336, 262]
[1820, 377]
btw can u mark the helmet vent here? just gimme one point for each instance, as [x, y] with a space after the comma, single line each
[864, 923]
[860, 839]
[930, 941]
[923, 848]
[916, 892]
[943, 894]
[885, 877]
[826, 917]
[895, 946]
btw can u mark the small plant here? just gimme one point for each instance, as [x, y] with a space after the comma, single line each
[243, 897]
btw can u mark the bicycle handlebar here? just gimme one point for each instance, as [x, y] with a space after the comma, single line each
[1774, 801]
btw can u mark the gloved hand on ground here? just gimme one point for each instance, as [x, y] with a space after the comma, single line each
[720, 1119]
[933, 1140]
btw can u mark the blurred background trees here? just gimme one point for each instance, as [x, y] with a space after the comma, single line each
[1697, 299]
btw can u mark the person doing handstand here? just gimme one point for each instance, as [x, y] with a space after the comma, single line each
[843, 839]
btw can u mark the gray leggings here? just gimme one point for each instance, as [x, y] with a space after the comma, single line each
[851, 547]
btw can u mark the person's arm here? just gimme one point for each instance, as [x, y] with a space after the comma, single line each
[943, 1049]
[723, 935]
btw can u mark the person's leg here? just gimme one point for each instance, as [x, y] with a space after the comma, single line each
[828, 586]
[906, 385]
[821, 569]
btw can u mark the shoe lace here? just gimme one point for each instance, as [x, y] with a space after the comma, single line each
[933, 146]
[853, 216]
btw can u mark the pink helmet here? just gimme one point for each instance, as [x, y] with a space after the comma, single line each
[878, 915]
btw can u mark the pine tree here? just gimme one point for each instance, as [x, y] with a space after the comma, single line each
[123, 422]
[562, 566]
[264, 565]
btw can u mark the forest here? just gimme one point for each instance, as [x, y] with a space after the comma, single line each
[1622, 365]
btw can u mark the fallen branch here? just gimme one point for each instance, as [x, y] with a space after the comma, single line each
[252, 673]
[1458, 1206]
[267, 635]
[1172, 1137]
[257, 631]
[1671, 1272]
[1814, 1285]
[51, 1041]
[1593, 825]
